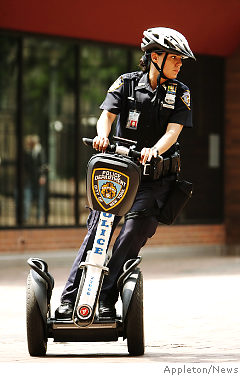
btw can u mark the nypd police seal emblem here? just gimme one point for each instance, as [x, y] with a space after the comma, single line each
[186, 98]
[109, 187]
[116, 85]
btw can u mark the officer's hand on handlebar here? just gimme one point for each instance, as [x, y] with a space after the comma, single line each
[147, 154]
[100, 143]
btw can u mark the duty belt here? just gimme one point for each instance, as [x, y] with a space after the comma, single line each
[160, 167]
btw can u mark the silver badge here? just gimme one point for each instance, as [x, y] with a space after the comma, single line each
[170, 97]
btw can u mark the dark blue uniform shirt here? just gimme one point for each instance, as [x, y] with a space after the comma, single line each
[144, 113]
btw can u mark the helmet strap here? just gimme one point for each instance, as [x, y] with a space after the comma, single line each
[161, 75]
[160, 70]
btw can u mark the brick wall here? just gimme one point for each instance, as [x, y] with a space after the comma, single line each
[54, 239]
[232, 153]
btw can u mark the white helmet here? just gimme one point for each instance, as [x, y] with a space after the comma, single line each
[168, 40]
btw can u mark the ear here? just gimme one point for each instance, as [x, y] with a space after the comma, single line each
[154, 57]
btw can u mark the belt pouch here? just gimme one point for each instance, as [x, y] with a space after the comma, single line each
[176, 201]
[157, 168]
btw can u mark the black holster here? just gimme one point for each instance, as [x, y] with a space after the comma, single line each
[161, 167]
[178, 197]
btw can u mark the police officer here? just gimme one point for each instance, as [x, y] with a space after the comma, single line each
[151, 107]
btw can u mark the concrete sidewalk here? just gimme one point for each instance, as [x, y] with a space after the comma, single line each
[191, 303]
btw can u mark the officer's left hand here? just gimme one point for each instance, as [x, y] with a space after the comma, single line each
[147, 154]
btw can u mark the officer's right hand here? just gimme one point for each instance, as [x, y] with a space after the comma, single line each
[100, 143]
[147, 154]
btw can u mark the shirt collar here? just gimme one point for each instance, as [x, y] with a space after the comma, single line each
[144, 83]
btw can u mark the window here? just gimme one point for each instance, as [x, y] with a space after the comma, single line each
[50, 93]
[48, 131]
[206, 205]
[100, 66]
[8, 129]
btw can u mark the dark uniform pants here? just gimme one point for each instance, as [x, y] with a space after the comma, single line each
[132, 237]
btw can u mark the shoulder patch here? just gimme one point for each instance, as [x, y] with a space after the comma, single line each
[186, 98]
[116, 85]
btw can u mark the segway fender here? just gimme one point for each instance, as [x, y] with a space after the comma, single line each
[40, 290]
[127, 291]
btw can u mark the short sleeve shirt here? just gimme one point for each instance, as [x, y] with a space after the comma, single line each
[144, 113]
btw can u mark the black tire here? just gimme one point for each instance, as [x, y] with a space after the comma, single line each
[36, 330]
[134, 321]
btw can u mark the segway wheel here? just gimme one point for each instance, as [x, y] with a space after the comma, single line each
[134, 321]
[36, 331]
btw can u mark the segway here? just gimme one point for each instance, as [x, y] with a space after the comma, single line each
[113, 178]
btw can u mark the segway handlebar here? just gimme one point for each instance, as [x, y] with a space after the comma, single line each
[118, 149]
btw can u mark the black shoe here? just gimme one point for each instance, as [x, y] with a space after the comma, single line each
[106, 310]
[64, 311]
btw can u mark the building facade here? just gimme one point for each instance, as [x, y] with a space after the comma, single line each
[54, 73]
